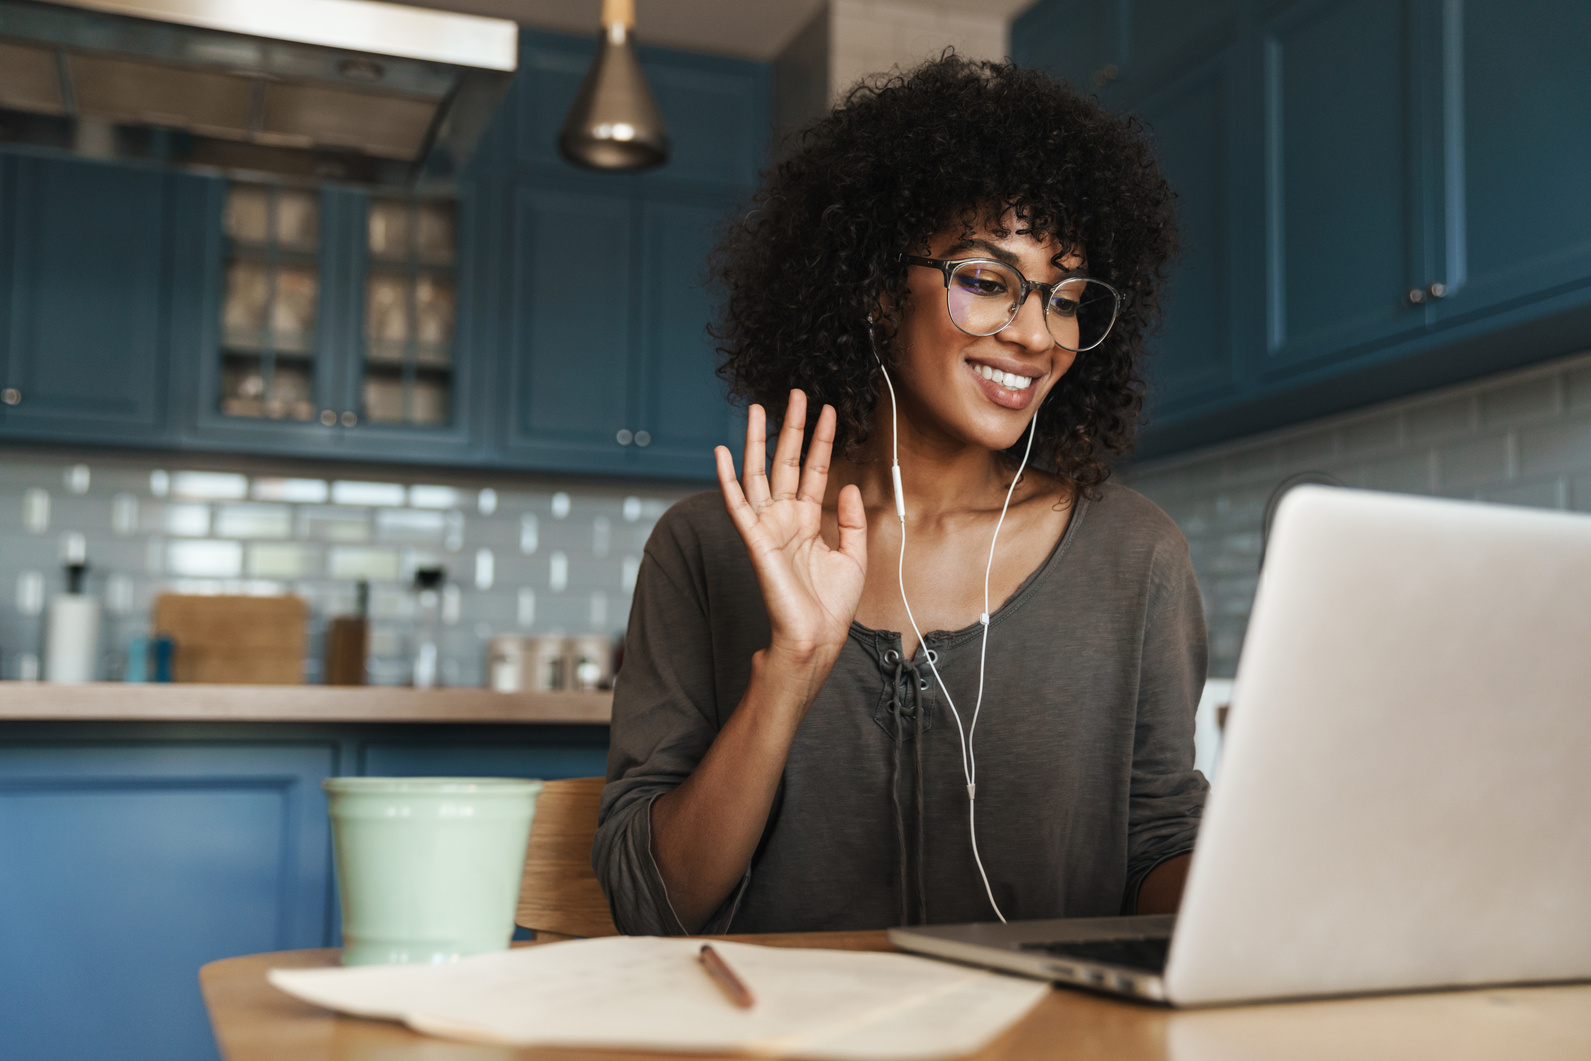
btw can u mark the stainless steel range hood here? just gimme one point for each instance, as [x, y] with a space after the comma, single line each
[347, 90]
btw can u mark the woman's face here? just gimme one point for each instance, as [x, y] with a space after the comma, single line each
[944, 372]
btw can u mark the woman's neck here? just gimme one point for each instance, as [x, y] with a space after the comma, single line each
[943, 478]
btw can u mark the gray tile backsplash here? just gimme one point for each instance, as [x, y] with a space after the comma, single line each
[1520, 438]
[521, 555]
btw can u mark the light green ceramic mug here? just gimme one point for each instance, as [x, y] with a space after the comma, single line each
[428, 867]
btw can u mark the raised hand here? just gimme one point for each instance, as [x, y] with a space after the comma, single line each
[810, 590]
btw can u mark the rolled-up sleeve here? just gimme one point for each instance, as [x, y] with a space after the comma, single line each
[1167, 794]
[665, 717]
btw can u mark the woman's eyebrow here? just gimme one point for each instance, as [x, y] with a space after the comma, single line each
[993, 250]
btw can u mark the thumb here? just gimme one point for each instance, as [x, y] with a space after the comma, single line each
[853, 525]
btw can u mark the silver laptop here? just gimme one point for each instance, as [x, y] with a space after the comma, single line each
[1404, 798]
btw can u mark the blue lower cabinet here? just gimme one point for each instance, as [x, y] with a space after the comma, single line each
[131, 854]
[126, 868]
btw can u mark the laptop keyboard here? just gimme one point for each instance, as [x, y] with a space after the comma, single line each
[1134, 953]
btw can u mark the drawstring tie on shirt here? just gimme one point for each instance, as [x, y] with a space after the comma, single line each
[904, 666]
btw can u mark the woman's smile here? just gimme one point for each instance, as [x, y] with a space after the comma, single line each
[1006, 384]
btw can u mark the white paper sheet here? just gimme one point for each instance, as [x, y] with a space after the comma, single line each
[651, 993]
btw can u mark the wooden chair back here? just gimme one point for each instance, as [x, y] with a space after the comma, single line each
[558, 893]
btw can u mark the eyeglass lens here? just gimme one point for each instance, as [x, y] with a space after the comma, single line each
[983, 299]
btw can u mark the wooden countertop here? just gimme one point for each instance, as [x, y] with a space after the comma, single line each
[253, 1021]
[138, 702]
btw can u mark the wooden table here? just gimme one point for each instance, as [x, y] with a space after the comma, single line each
[253, 1021]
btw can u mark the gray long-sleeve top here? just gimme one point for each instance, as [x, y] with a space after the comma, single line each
[1084, 746]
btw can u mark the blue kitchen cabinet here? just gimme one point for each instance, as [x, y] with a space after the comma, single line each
[129, 865]
[569, 376]
[335, 422]
[85, 302]
[679, 399]
[607, 366]
[1377, 198]
[1345, 242]
[1203, 307]
[1517, 117]
[133, 853]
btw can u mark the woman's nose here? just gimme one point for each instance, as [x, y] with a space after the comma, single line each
[1028, 328]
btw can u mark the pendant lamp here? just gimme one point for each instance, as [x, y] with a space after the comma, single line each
[614, 123]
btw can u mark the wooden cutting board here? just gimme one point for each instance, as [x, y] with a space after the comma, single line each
[234, 640]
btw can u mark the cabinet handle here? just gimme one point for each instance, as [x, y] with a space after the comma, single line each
[1416, 296]
[11, 396]
[643, 438]
[1438, 290]
[350, 418]
[328, 417]
[624, 437]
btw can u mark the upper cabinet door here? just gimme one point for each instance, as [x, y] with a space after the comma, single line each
[1519, 129]
[569, 359]
[682, 404]
[1194, 356]
[1345, 241]
[87, 271]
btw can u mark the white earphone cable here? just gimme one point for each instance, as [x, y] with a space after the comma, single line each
[969, 763]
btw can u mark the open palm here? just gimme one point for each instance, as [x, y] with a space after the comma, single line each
[810, 590]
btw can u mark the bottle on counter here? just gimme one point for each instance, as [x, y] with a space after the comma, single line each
[428, 592]
[71, 631]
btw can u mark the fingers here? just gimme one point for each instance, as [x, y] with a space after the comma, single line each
[734, 501]
[815, 477]
[853, 525]
[785, 478]
[755, 457]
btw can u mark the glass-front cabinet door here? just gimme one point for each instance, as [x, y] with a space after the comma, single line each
[270, 356]
[410, 301]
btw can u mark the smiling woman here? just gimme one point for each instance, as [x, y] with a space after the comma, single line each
[944, 288]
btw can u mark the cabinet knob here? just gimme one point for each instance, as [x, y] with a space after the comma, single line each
[643, 438]
[1416, 296]
[11, 396]
[328, 417]
[1438, 290]
[350, 418]
[624, 436]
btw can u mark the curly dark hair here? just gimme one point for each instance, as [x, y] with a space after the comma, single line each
[902, 159]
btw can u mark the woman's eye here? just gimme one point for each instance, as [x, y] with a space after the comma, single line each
[1063, 307]
[984, 285]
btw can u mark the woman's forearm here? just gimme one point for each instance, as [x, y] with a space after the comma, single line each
[706, 830]
[1161, 891]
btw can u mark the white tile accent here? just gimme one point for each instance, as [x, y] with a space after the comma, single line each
[77, 478]
[124, 515]
[560, 505]
[298, 491]
[435, 497]
[486, 568]
[187, 520]
[30, 593]
[558, 571]
[208, 486]
[36, 510]
[345, 492]
[205, 559]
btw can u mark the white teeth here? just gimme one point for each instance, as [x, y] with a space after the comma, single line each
[1008, 380]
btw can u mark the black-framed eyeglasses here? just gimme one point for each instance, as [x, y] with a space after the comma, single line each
[984, 295]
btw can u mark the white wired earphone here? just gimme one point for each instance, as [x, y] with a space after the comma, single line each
[969, 761]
